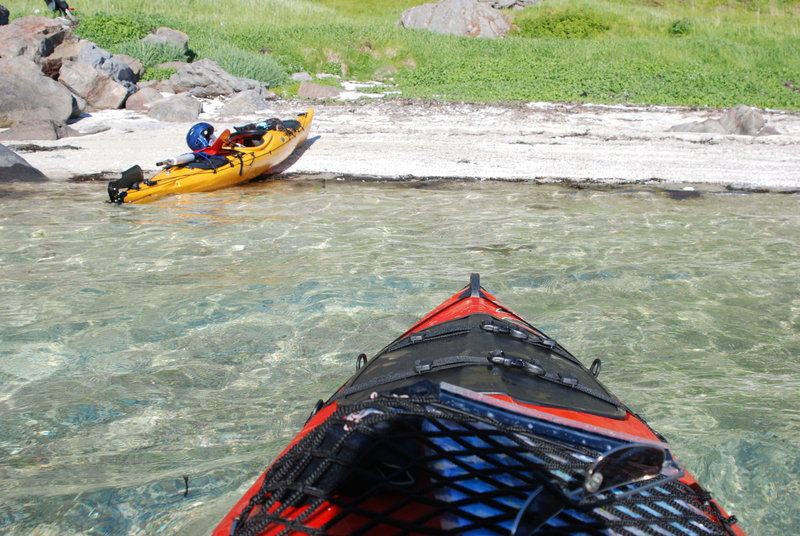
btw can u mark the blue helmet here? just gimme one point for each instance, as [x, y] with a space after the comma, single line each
[200, 136]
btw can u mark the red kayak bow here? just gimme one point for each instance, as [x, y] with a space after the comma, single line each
[475, 422]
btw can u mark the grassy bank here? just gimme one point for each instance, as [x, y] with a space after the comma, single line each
[674, 52]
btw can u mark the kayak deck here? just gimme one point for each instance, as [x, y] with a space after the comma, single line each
[474, 422]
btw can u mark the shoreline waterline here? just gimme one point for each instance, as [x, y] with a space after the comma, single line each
[680, 191]
[568, 143]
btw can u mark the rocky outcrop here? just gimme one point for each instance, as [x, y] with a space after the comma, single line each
[33, 37]
[205, 78]
[48, 73]
[460, 17]
[15, 168]
[41, 129]
[740, 120]
[27, 94]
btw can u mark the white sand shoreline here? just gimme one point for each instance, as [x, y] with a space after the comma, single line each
[390, 139]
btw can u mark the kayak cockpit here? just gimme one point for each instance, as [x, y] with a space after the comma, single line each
[415, 461]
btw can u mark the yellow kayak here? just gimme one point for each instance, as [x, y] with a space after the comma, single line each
[249, 152]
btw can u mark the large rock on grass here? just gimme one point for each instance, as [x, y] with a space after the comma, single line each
[15, 168]
[170, 37]
[460, 17]
[27, 94]
[205, 78]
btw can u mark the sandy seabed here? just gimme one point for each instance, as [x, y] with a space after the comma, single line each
[400, 139]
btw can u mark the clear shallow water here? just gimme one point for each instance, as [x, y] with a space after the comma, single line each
[139, 344]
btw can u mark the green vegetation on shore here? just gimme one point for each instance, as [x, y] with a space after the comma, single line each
[671, 52]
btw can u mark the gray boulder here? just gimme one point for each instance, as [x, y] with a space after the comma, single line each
[134, 64]
[107, 94]
[179, 108]
[98, 88]
[205, 78]
[460, 17]
[15, 168]
[40, 129]
[168, 36]
[3, 15]
[739, 120]
[114, 67]
[143, 99]
[743, 120]
[79, 77]
[302, 76]
[308, 90]
[33, 37]
[247, 102]
[27, 94]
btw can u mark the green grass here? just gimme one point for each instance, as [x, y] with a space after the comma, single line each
[674, 52]
[151, 54]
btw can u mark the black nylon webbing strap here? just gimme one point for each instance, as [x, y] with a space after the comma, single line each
[420, 367]
[429, 335]
[496, 327]
[443, 363]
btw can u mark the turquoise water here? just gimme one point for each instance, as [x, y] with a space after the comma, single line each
[142, 344]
